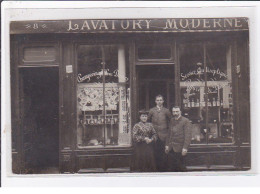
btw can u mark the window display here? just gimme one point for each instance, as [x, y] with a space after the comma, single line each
[103, 96]
[206, 91]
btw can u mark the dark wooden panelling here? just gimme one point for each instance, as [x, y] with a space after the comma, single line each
[245, 152]
[90, 162]
[222, 158]
[66, 99]
[243, 87]
[15, 164]
[117, 161]
[66, 161]
[103, 158]
[197, 159]
[15, 129]
[102, 161]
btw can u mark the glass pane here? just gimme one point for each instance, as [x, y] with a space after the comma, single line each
[38, 54]
[103, 105]
[117, 109]
[220, 93]
[192, 89]
[89, 64]
[209, 108]
[154, 51]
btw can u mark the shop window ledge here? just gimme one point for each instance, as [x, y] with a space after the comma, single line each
[222, 167]
[101, 170]
[91, 170]
[126, 169]
[211, 167]
[203, 167]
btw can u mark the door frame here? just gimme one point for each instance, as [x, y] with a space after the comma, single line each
[147, 97]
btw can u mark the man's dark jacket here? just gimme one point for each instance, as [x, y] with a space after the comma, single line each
[179, 134]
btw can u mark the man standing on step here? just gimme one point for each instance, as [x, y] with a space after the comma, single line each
[178, 141]
[160, 118]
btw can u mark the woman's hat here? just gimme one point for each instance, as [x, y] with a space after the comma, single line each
[143, 112]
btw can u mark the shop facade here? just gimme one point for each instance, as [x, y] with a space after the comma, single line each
[77, 87]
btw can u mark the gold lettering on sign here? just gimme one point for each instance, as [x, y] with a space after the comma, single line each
[186, 23]
[193, 23]
[127, 24]
[85, 25]
[103, 25]
[170, 23]
[148, 24]
[113, 24]
[216, 22]
[229, 21]
[95, 25]
[74, 27]
[135, 23]
[206, 23]
[237, 23]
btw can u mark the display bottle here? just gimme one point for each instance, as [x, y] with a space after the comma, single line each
[192, 103]
[214, 102]
[197, 103]
[184, 102]
[188, 102]
[230, 99]
[221, 103]
[217, 102]
[209, 103]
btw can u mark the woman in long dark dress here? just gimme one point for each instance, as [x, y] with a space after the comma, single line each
[144, 136]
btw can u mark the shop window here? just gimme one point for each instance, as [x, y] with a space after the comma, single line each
[103, 96]
[154, 51]
[39, 54]
[206, 91]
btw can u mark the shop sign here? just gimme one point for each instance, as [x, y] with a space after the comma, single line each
[130, 25]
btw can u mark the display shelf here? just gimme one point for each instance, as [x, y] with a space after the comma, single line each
[219, 109]
[89, 119]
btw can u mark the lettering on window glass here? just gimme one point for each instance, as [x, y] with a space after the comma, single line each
[98, 75]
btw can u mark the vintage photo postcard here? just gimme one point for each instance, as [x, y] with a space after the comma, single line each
[132, 91]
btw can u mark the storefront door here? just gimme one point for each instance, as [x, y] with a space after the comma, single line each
[155, 80]
[38, 91]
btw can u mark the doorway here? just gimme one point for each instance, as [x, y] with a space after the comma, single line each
[152, 81]
[39, 110]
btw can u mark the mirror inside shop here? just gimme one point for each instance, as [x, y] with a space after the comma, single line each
[103, 96]
[206, 91]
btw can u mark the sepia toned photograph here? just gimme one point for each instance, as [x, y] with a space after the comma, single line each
[129, 95]
[132, 95]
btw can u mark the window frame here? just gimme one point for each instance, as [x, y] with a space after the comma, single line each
[138, 61]
[24, 63]
[207, 41]
[98, 43]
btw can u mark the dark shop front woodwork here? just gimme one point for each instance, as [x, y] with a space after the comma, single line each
[81, 91]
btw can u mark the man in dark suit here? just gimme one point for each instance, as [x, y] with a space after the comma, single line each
[178, 140]
[160, 118]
